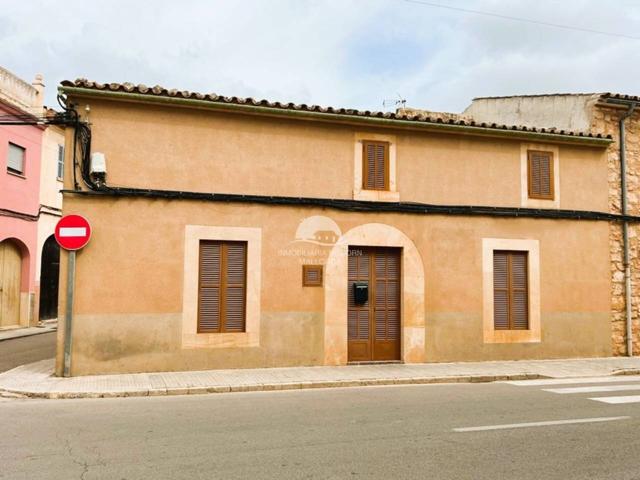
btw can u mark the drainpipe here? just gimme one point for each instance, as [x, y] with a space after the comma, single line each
[625, 230]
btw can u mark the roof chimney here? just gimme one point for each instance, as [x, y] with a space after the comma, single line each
[38, 84]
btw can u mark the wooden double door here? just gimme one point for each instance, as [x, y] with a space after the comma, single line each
[374, 322]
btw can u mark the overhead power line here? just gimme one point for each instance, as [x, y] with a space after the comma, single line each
[521, 19]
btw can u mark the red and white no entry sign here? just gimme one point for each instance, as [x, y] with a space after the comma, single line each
[73, 232]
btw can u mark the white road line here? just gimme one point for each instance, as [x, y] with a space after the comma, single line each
[625, 399]
[605, 388]
[540, 424]
[569, 381]
[73, 232]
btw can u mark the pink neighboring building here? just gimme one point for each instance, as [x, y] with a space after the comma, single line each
[20, 164]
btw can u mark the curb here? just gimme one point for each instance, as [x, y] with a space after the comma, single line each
[29, 334]
[10, 392]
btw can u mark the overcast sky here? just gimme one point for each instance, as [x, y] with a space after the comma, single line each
[348, 53]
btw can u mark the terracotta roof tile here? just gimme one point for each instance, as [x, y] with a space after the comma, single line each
[160, 91]
[620, 96]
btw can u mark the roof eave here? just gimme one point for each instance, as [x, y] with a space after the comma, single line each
[339, 118]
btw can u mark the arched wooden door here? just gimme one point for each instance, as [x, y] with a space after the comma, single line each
[49, 272]
[10, 279]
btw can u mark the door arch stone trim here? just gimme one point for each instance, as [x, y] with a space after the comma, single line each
[412, 322]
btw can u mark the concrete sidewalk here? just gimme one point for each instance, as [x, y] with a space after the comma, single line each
[11, 333]
[37, 380]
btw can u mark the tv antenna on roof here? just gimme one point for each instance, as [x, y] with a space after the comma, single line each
[394, 102]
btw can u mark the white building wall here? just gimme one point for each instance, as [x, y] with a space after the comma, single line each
[562, 111]
[50, 186]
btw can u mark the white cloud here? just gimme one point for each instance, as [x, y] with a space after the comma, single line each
[351, 53]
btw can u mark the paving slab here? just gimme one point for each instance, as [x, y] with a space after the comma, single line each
[37, 379]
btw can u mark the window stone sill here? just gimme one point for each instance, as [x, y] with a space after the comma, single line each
[15, 174]
[376, 195]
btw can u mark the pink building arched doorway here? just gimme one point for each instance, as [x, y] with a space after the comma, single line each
[11, 265]
[49, 273]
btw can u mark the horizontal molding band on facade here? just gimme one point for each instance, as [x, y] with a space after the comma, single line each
[361, 205]
[341, 118]
[6, 212]
[43, 210]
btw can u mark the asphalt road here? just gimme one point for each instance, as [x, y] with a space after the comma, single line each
[373, 432]
[18, 351]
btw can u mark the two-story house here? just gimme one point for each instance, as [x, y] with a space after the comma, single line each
[231, 232]
[20, 154]
[31, 159]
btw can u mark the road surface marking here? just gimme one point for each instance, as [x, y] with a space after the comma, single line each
[625, 399]
[605, 388]
[540, 424]
[568, 381]
[73, 232]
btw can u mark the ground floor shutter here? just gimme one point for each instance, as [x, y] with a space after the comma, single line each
[510, 290]
[222, 286]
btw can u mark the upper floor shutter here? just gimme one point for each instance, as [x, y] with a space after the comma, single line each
[540, 173]
[375, 172]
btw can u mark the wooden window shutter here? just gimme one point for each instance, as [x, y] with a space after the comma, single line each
[540, 174]
[500, 291]
[375, 168]
[312, 275]
[510, 290]
[222, 286]
[519, 291]
[235, 286]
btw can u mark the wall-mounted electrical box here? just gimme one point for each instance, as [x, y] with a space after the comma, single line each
[98, 163]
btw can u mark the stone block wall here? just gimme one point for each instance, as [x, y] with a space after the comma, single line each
[604, 119]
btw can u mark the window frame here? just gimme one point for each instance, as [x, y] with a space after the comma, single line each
[489, 333]
[510, 290]
[60, 163]
[223, 286]
[13, 171]
[531, 194]
[250, 338]
[365, 164]
[390, 195]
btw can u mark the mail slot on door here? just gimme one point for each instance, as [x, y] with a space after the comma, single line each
[360, 293]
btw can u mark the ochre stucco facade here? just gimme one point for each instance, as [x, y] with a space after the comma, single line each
[591, 112]
[132, 310]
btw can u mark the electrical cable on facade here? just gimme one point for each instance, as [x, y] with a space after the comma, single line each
[83, 137]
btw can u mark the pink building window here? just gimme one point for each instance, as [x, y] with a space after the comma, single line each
[15, 160]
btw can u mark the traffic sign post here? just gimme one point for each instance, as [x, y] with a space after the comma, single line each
[71, 281]
[72, 233]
